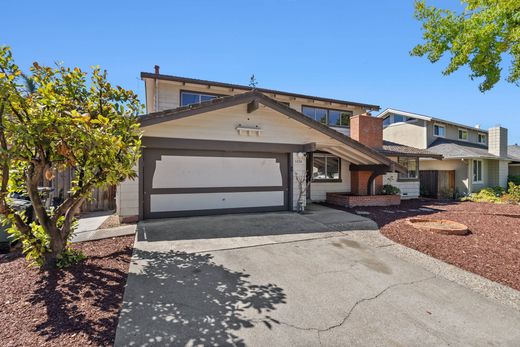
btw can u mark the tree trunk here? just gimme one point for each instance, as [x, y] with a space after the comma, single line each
[56, 247]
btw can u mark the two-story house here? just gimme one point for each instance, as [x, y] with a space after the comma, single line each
[213, 147]
[474, 158]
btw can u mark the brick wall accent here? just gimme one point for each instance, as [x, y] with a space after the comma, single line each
[359, 182]
[344, 200]
[367, 129]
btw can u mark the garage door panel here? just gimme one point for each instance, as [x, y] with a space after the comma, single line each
[213, 201]
[204, 171]
[181, 182]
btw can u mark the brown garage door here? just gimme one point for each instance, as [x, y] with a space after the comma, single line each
[186, 183]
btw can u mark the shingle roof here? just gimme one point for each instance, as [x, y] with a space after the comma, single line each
[392, 148]
[451, 149]
[513, 152]
[262, 90]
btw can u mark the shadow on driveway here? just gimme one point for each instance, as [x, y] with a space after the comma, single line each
[188, 299]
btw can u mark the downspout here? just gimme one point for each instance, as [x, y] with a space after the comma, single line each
[156, 89]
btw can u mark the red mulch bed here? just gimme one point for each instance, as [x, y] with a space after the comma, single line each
[72, 307]
[492, 249]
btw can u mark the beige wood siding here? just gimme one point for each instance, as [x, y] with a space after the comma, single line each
[221, 125]
[408, 134]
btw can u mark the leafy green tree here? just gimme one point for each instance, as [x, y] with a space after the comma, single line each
[485, 32]
[57, 119]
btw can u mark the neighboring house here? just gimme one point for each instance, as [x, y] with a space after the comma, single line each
[514, 154]
[212, 147]
[473, 158]
[409, 157]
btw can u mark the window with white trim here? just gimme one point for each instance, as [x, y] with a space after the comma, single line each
[412, 166]
[482, 138]
[326, 167]
[463, 135]
[439, 130]
[477, 171]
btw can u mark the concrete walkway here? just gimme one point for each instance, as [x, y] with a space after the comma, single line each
[88, 228]
[92, 220]
[100, 234]
[282, 279]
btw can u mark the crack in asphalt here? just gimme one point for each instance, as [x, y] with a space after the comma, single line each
[353, 307]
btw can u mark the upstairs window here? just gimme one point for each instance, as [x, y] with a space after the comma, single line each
[463, 134]
[190, 98]
[412, 166]
[326, 167]
[328, 116]
[482, 139]
[439, 130]
[397, 118]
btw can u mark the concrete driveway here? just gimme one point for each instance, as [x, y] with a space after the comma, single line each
[283, 279]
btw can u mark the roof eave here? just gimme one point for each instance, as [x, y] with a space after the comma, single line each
[150, 75]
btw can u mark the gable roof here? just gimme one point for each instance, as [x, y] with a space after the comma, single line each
[256, 96]
[453, 149]
[513, 152]
[426, 118]
[395, 149]
[262, 90]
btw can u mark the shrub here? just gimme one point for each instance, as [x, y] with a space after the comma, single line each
[490, 194]
[389, 189]
[513, 193]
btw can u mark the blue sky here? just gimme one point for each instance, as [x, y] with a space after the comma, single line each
[352, 50]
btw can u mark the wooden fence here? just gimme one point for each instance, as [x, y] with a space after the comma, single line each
[103, 198]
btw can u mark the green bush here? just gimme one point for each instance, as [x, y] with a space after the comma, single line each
[513, 193]
[69, 257]
[389, 189]
[489, 194]
[37, 243]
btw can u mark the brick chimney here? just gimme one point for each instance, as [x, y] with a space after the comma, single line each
[369, 131]
[497, 141]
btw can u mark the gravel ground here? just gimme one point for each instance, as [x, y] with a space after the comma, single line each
[491, 250]
[73, 307]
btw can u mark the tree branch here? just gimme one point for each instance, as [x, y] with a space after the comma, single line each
[33, 176]
[70, 201]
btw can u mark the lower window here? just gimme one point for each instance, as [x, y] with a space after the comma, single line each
[412, 166]
[477, 171]
[326, 167]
